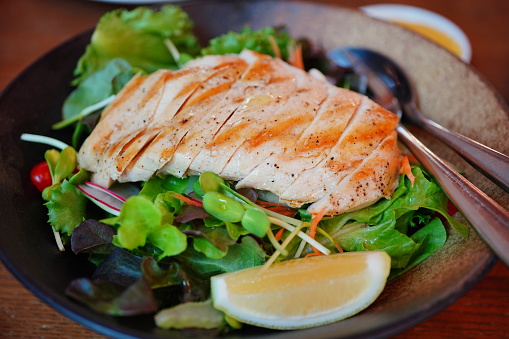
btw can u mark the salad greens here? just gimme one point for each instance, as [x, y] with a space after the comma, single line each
[171, 236]
[138, 37]
[267, 40]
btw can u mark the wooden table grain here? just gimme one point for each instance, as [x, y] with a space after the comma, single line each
[29, 28]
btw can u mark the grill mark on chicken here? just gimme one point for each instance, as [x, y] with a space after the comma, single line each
[126, 92]
[313, 145]
[200, 135]
[369, 122]
[262, 101]
[150, 92]
[374, 178]
[127, 122]
[279, 134]
[171, 131]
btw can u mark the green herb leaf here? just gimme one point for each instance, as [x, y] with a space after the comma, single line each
[65, 165]
[66, 207]
[245, 254]
[141, 220]
[256, 40]
[169, 239]
[156, 185]
[137, 219]
[138, 36]
[95, 88]
[168, 205]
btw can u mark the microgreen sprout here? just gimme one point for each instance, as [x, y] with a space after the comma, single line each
[223, 207]
[173, 51]
[44, 140]
[254, 218]
[86, 111]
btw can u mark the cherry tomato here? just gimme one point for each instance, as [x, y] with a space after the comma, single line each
[40, 176]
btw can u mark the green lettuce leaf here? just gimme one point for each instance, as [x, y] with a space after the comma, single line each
[403, 226]
[424, 194]
[256, 40]
[141, 222]
[245, 254]
[382, 237]
[138, 36]
[430, 238]
[157, 185]
[95, 88]
[66, 207]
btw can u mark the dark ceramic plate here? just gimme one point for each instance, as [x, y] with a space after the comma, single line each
[450, 92]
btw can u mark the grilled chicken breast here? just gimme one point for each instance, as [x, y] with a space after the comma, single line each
[254, 120]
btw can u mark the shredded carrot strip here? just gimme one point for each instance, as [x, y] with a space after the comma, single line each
[340, 250]
[314, 224]
[313, 254]
[279, 233]
[297, 59]
[412, 159]
[407, 170]
[187, 200]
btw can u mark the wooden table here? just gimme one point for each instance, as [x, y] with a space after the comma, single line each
[29, 28]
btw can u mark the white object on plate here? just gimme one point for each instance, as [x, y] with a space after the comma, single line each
[411, 15]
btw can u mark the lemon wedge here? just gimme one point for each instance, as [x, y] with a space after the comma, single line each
[302, 293]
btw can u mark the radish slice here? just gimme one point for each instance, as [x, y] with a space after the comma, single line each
[102, 197]
[105, 190]
[125, 190]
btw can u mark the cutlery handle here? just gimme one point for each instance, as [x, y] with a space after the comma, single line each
[489, 219]
[493, 164]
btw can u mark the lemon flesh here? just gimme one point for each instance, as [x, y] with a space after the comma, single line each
[302, 293]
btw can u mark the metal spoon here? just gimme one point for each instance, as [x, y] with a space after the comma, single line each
[489, 219]
[489, 162]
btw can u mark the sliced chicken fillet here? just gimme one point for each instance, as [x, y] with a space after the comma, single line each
[310, 148]
[169, 130]
[370, 125]
[261, 104]
[200, 135]
[163, 98]
[281, 129]
[137, 98]
[376, 177]
[254, 120]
